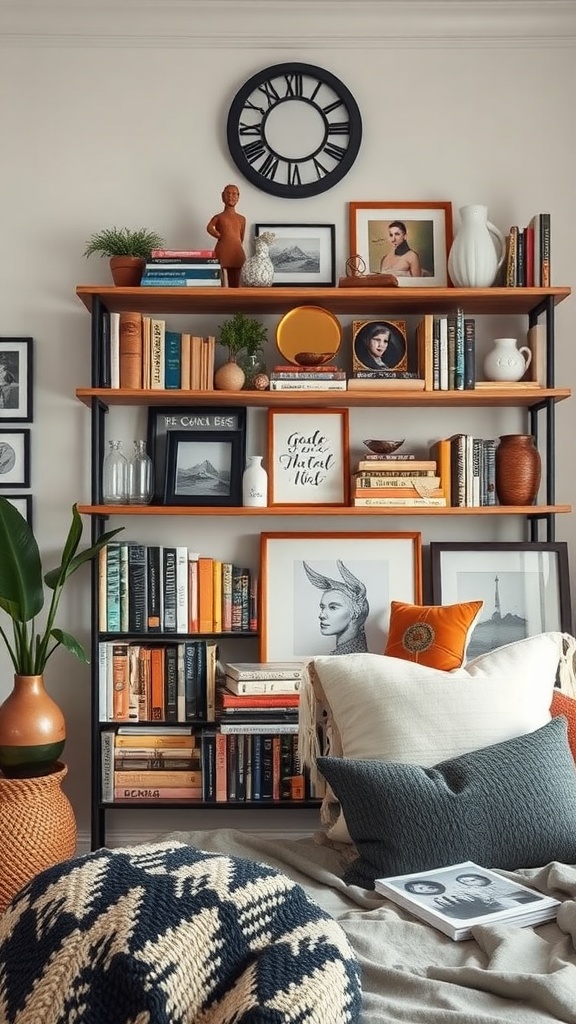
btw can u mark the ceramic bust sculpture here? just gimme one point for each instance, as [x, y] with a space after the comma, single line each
[258, 271]
[228, 228]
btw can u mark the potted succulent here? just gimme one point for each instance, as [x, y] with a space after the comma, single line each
[128, 251]
[244, 337]
[32, 728]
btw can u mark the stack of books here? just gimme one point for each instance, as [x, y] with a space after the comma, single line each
[528, 254]
[182, 268]
[390, 480]
[307, 378]
[144, 764]
[391, 380]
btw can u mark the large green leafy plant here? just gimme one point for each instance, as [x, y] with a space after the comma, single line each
[242, 333]
[22, 593]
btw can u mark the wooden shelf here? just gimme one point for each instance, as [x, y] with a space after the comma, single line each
[318, 510]
[519, 397]
[337, 300]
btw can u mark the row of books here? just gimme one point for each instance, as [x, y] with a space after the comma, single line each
[461, 472]
[158, 588]
[396, 482]
[528, 254]
[467, 470]
[139, 352]
[182, 268]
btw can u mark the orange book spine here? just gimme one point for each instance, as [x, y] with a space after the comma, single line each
[157, 684]
[120, 683]
[221, 768]
[217, 596]
[205, 595]
[131, 350]
[157, 777]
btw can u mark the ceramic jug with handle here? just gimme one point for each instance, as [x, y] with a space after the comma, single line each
[507, 361]
[478, 250]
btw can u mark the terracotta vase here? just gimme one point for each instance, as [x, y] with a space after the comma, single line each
[518, 469]
[127, 271]
[229, 377]
[32, 729]
[37, 829]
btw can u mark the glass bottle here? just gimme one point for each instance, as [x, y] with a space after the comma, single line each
[115, 475]
[140, 476]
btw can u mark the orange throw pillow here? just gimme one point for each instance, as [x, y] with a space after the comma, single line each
[432, 635]
[564, 705]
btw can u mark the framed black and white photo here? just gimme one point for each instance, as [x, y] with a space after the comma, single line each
[164, 420]
[409, 240]
[14, 458]
[302, 254]
[204, 468]
[16, 379]
[308, 457]
[525, 588]
[330, 593]
[23, 504]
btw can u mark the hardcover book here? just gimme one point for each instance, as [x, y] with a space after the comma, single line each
[265, 670]
[456, 898]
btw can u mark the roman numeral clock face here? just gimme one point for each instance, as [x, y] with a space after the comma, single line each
[294, 130]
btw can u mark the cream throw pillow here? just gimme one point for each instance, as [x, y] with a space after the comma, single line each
[376, 706]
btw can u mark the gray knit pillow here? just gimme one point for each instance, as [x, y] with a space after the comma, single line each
[508, 805]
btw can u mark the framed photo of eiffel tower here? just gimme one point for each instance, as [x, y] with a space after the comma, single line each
[525, 588]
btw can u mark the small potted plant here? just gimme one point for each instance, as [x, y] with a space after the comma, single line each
[244, 337]
[32, 728]
[127, 250]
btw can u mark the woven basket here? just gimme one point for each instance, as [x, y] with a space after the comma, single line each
[37, 829]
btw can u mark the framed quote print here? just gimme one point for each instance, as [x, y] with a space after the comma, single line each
[308, 457]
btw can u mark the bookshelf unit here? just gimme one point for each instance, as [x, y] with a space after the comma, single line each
[538, 405]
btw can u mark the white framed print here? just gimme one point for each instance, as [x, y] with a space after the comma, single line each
[330, 593]
[308, 457]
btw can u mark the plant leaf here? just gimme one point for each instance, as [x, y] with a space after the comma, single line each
[21, 590]
[57, 576]
[71, 644]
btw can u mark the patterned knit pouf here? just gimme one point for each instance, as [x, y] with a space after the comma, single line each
[167, 934]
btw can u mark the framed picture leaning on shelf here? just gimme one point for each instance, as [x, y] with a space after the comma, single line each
[308, 457]
[409, 240]
[302, 254]
[379, 345]
[204, 468]
[16, 379]
[525, 588]
[14, 458]
[330, 593]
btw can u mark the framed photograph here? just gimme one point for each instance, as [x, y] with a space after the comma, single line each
[302, 254]
[308, 457]
[164, 420]
[23, 504]
[14, 458]
[379, 345]
[525, 588]
[330, 593]
[409, 240]
[16, 379]
[204, 468]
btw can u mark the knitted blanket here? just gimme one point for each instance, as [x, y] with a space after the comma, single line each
[167, 934]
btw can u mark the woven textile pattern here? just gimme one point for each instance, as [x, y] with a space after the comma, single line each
[166, 934]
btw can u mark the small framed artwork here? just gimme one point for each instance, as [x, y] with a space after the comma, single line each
[23, 505]
[16, 379]
[164, 420]
[204, 468]
[379, 345]
[14, 458]
[525, 588]
[330, 593]
[308, 457]
[302, 254]
[409, 240]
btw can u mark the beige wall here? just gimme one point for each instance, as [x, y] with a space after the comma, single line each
[115, 114]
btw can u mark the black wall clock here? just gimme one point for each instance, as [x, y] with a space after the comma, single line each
[294, 130]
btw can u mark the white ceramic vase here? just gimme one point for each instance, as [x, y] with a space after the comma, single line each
[506, 361]
[255, 483]
[477, 251]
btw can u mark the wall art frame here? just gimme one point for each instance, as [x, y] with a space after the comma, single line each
[395, 354]
[16, 379]
[304, 255]
[14, 458]
[308, 457]
[525, 588]
[204, 468]
[298, 618]
[23, 503]
[428, 235]
[163, 420]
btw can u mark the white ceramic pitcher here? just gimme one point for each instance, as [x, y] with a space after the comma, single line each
[506, 361]
[477, 251]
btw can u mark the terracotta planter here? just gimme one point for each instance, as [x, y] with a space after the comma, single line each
[127, 271]
[37, 829]
[518, 469]
[32, 729]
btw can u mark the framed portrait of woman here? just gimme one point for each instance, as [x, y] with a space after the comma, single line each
[330, 593]
[379, 345]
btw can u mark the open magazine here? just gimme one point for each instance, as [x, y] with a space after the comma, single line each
[456, 898]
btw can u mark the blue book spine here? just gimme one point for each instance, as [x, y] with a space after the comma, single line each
[172, 359]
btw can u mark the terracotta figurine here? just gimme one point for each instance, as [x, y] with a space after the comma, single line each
[228, 228]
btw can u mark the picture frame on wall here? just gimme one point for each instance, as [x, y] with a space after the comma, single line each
[308, 460]
[330, 593]
[525, 588]
[409, 240]
[23, 503]
[302, 254]
[14, 458]
[379, 345]
[164, 420]
[16, 379]
[204, 468]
